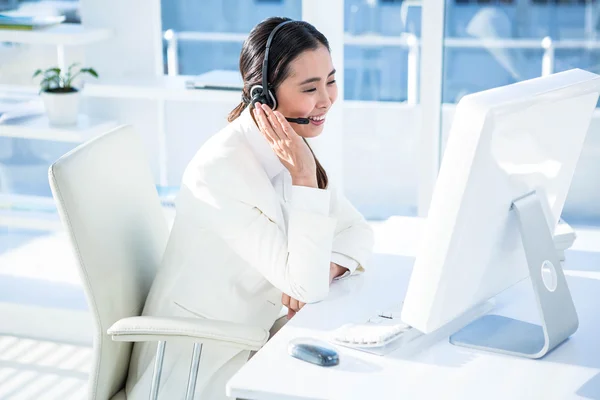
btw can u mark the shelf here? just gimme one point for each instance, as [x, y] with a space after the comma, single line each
[39, 128]
[63, 34]
[29, 212]
[14, 92]
[161, 88]
[30, 220]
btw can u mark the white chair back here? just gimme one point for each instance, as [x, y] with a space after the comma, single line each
[108, 203]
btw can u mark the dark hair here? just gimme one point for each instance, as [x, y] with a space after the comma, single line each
[291, 40]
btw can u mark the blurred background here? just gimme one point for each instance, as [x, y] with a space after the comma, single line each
[404, 65]
[487, 43]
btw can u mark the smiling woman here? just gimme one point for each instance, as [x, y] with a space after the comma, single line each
[258, 224]
[298, 78]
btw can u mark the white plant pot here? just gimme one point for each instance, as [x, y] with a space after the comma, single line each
[61, 108]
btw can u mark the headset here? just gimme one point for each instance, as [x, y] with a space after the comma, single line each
[263, 93]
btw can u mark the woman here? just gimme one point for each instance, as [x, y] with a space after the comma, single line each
[258, 224]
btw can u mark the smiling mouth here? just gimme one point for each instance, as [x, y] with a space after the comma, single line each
[317, 120]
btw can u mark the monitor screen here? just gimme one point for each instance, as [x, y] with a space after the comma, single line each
[504, 143]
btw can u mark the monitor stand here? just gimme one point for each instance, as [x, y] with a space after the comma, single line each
[558, 315]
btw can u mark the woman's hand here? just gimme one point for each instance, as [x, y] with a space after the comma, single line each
[294, 305]
[287, 145]
[335, 270]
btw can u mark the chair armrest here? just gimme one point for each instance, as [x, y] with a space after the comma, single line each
[149, 329]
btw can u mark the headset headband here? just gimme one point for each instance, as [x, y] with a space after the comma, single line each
[265, 71]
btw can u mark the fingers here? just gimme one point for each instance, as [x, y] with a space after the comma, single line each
[279, 124]
[285, 300]
[268, 123]
[285, 125]
[294, 304]
[263, 125]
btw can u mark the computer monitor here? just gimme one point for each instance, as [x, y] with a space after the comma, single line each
[505, 143]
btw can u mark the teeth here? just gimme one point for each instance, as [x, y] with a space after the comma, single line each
[321, 118]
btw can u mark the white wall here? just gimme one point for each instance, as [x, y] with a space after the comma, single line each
[380, 158]
[19, 62]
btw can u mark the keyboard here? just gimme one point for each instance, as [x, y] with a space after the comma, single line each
[380, 330]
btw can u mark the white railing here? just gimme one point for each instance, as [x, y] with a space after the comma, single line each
[407, 40]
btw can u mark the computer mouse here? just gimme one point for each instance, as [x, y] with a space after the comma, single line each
[313, 351]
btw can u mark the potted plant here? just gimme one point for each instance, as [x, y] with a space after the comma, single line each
[60, 97]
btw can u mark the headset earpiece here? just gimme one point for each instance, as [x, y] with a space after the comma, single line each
[257, 94]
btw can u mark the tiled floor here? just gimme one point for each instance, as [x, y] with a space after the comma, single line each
[40, 369]
[45, 328]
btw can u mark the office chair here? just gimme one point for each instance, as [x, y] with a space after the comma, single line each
[109, 206]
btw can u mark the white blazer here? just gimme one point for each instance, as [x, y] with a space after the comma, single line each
[236, 245]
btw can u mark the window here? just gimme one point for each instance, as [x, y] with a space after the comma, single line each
[381, 65]
[378, 50]
[7, 5]
[484, 1]
[563, 1]
[529, 41]
[210, 33]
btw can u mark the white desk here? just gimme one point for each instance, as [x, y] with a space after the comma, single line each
[441, 370]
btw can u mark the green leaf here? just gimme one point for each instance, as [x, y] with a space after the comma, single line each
[51, 80]
[69, 73]
[90, 71]
[52, 77]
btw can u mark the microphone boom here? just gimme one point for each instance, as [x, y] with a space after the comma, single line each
[301, 121]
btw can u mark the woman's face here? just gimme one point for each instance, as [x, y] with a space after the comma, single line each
[309, 91]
